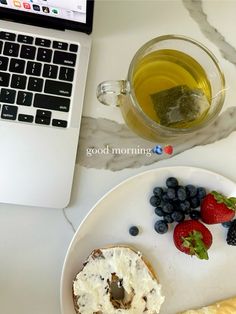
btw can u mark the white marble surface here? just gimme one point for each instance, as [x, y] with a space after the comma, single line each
[33, 241]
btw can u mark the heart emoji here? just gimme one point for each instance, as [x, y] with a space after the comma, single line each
[168, 149]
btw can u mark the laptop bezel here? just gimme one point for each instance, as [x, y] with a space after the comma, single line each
[49, 22]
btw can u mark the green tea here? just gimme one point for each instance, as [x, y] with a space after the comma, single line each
[166, 78]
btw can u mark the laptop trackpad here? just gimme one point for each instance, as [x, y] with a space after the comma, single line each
[36, 164]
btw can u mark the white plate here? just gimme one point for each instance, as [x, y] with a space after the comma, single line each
[187, 281]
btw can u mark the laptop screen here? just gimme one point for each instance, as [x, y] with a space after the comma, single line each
[72, 14]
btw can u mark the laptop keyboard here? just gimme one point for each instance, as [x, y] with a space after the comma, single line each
[36, 79]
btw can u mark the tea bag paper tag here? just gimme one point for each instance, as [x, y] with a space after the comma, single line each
[179, 105]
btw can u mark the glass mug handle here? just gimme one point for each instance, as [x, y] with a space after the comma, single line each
[108, 92]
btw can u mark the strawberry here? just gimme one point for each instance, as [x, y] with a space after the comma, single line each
[216, 208]
[168, 149]
[193, 238]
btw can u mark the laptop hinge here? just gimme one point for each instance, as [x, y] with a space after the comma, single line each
[32, 21]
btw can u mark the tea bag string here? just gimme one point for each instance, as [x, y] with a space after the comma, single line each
[220, 92]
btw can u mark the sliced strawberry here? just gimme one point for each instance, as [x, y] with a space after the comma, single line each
[193, 238]
[216, 208]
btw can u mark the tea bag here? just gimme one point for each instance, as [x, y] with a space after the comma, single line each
[179, 105]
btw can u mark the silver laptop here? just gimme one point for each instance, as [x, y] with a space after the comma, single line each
[44, 55]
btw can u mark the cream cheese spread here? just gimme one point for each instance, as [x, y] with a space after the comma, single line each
[91, 286]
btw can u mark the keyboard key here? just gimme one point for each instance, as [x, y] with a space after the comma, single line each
[8, 36]
[1, 45]
[44, 113]
[18, 81]
[3, 63]
[66, 74]
[58, 88]
[43, 117]
[24, 98]
[11, 49]
[73, 48]
[25, 118]
[43, 42]
[60, 45]
[33, 68]
[59, 123]
[9, 112]
[50, 71]
[44, 55]
[4, 79]
[64, 58]
[51, 102]
[7, 95]
[17, 65]
[25, 39]
[35, 84]
[27, 52]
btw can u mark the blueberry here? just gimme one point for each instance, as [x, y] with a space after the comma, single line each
[158, 191]
[165, 197]
[178, 216]
[194, 202]
[157, 150]
[167, 208]
[168, 218]
[155, 201]
[161, 226]
[227, 224]
[195, 214]
[171, 193]
[159, 212]
[176, 204]
[172, 182]
[184, 206]
[191, 190]
[201, 193]
[188, 211]
[175, 200]
[181, 194]
[134, 231]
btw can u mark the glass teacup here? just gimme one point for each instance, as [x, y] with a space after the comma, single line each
[174, 88]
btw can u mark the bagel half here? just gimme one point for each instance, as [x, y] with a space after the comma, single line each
[116, 280]
[227, 306]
